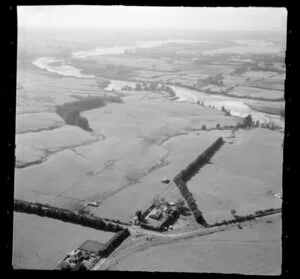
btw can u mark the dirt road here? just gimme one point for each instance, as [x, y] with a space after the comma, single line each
[155, 238]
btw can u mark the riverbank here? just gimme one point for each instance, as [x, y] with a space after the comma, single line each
[238, 106]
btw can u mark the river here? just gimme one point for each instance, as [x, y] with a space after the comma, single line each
[122, 49]
[237, 106]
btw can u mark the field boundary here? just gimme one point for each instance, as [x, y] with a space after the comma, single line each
[65, 215]
[186, 174]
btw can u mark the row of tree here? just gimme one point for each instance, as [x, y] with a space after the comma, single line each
[188, 172]
[215, 80]
[189, 199]
[86, 211]
[248, 122]
[203, 158]
[249, 217]
[151, 86]
[115, 241]
[65, 215]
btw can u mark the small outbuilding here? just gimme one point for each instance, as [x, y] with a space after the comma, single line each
[165, 180]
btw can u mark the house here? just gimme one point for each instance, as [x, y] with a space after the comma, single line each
[90, 251]
[77, 255]
[156, 214]
[73, 260]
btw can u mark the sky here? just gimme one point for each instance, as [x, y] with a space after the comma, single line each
[122, 17]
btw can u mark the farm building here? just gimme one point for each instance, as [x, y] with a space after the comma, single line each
[91, 251]
[159, 218]
[155, 214]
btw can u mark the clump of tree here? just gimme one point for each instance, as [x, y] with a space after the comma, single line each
[240, 70]
[215, 80]
[71, 115]
[138, 87]
[153, 86]
[180, 205]
[83, 123]
[127, 88]
[70, 112]
[270, 126]
[139, 215]
[157, 201]
[103, 83]
[227, 112]
[247, 121]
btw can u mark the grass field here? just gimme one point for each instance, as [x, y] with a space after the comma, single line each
[35, 122]
[40, 242]
[265, 106]
[33, 147]
[244, 91]
[239, 177]
[122, 158]
[253, 250]
[150, 136]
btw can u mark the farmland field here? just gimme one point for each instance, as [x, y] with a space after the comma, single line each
[165, 98]
[239, 178]
[255, 249]
[32, 235]
[242, 91]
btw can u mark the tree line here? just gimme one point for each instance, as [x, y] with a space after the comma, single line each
[181, 179]
[203, 158]
[150, 86]
[249, 217]
[65, 215]
[190, 200]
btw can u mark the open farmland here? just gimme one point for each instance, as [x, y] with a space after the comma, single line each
[129, 158]
[32, 235]
[267, 107]
[34, 148]
[239, 178]
[255, 249]
[40, 91]
[245, 49]
[35, 122]
[243, 91]
[182, 127]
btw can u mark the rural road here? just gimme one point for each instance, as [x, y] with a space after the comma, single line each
[165, 238]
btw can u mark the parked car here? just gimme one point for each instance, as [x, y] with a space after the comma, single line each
[165, 180]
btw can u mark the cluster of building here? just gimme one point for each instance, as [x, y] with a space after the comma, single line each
[158, 216]
[90, 252]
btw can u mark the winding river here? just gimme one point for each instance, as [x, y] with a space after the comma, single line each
[237, 106]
